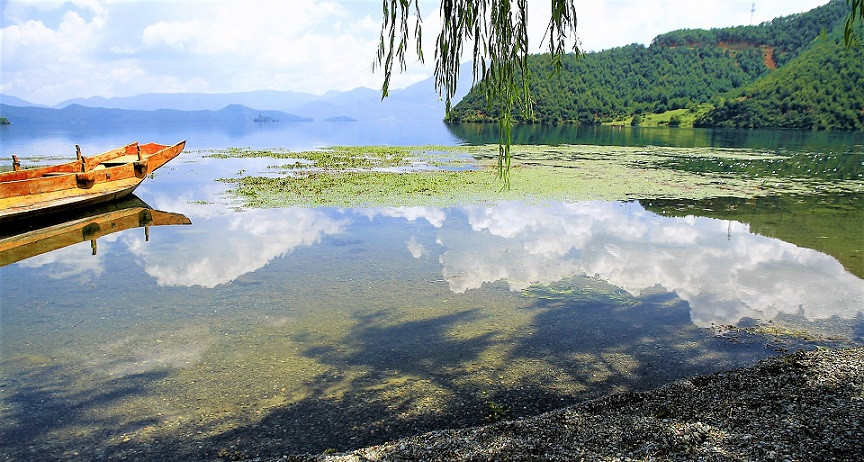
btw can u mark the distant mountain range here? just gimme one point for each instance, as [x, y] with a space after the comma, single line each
[418, 102]
[265, 99]
[78, 115]
[13, 101]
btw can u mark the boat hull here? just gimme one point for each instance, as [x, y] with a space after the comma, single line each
[39, 236]
[106, 177]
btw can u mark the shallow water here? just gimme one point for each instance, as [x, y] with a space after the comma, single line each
[300, 329]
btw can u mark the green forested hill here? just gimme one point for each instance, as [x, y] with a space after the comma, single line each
[622, 81]
[680, 69]
[822, 88]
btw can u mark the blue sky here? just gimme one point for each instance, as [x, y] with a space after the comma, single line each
[53, 50]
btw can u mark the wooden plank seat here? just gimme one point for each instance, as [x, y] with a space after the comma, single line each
[52, 174]
[119, 160]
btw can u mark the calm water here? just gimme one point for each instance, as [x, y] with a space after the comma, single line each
[52, 141]
[300, 329]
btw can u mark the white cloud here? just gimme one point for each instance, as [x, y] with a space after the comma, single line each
[722, 270]
[609, 23]
[50, 64]
[307, 45]
[75, 261]
[55, 50]
[32, 43]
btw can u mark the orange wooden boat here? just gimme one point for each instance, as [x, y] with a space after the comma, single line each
[82, 182]
[95, 223]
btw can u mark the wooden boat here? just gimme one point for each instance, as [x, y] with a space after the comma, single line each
[62, 231]
[82, 182]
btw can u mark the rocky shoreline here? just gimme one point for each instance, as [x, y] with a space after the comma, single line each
[802, 406]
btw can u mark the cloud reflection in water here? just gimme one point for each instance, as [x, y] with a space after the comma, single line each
[721, 269]
[233, 245]
[75, 261]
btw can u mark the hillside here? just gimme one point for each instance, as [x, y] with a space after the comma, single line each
[819, 89]
[14, 101]
[626, 80]
[681, 69]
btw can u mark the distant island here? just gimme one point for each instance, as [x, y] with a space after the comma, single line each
[263, 118]
[340, 119]
[4, 121]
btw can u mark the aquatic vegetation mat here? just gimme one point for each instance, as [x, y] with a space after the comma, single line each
[803, 165]
[339, 157]
[437, 175]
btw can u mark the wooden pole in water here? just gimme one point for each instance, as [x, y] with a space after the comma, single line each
[93, 245]
[140, 157]
[16, 165]
[80, 158]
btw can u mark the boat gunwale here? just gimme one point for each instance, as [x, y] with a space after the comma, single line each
[64, 168]
[44, 195]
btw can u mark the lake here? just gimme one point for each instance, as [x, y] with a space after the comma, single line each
[260, 332]
[47, 140]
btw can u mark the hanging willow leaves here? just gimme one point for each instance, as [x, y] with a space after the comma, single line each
[498, 33]
[856, 13]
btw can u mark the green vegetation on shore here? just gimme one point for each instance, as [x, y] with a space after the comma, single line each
[672, 118]
[624, 81]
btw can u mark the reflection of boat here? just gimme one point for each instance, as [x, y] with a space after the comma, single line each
[41, 237]
[84, 181]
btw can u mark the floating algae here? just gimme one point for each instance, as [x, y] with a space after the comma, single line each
[392, 176]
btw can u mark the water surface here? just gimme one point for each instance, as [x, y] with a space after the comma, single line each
[300, 329]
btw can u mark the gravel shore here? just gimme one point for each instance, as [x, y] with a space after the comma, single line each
[803, 406]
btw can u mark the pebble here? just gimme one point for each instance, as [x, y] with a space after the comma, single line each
[776, 404]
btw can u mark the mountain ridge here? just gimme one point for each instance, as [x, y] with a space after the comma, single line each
[417, 102]
[78, 115]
